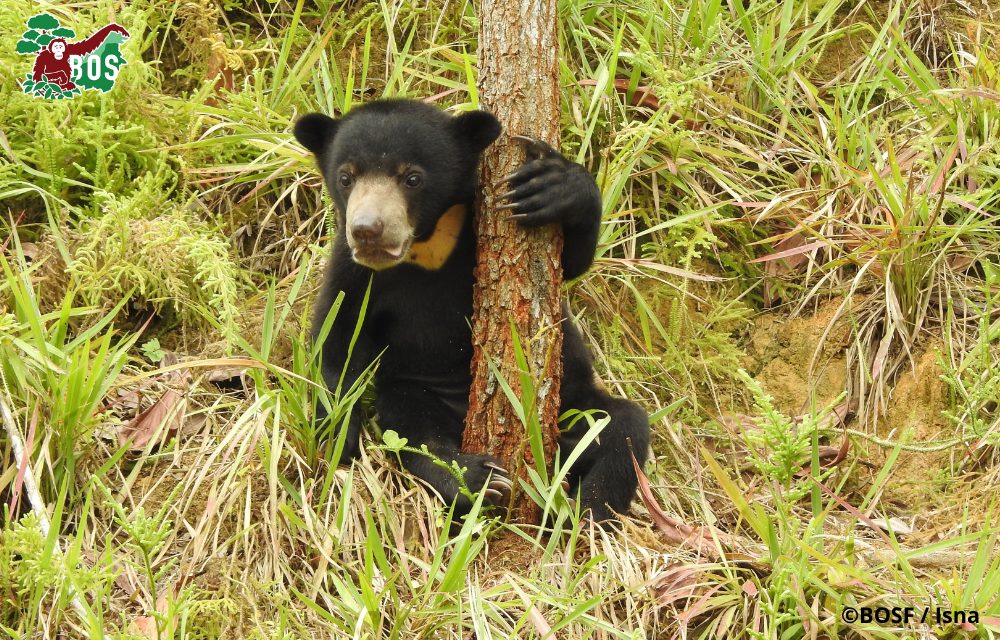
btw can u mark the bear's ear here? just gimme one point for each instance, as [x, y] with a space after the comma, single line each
[315, 131]
[478, 128]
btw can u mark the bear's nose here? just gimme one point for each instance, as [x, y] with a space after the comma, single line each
[366, 228]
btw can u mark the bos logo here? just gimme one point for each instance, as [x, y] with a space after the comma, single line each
[63, 69]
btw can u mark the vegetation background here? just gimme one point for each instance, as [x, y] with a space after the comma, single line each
[797, 276]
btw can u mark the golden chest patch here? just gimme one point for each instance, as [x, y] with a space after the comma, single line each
[432, 253]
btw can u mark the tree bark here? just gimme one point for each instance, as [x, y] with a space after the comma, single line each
[518, 272]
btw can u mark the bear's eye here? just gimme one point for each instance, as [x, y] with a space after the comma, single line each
[346, 179]
[414, 180]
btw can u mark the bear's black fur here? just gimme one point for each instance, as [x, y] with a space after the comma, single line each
[403, 175]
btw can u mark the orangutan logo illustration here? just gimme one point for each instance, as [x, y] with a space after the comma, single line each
[63, 69]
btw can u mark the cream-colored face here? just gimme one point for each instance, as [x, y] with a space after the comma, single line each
[379, 231]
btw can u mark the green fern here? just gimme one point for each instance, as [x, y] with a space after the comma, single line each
[781, 447]
[170, 261]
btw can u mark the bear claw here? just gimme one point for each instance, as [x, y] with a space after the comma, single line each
[496, 467]
[535, 147]
[501, 483]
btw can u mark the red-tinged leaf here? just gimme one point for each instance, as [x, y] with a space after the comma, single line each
[677, 582]
[167, 412]
[438, 96]
[643, 96]
[750, 204]
[218, 69]
[828, 457]
[883, 352]
[837, 417]
[739, 422]
[792, 251]
[945, 168]
[29, 445]
[968, 205]
[845, 446]
[903, 162]
[853, 511]
[992, 621]
[979, 93]
[541, 625]
[750, 589]
[832, 456]
[788, 259]
[960, 262]
[674, 530]
[699, 607]
[145, 626]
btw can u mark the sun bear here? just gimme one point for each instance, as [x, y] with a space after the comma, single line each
[403, 177]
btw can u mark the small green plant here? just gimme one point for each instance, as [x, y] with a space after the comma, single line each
[780, 447]
[151, 349]
[392, 442]
[146, 535]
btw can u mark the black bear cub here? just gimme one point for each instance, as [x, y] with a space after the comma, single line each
[403, 175]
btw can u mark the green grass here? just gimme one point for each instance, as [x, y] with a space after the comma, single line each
[800, 202]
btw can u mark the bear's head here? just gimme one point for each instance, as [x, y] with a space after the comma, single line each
[394, 168]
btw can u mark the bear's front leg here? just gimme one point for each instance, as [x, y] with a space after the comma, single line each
[481, 472]
[549, 189]
[420, 416]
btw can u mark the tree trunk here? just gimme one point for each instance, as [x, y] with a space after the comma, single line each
[518, 273]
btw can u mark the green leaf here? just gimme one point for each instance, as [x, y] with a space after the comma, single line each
[392, 440]
[30, 34]
[64, 32]
[44, 39]
[151, 349]
[43, 22]
[27, 46]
